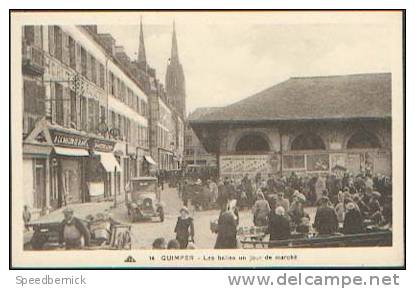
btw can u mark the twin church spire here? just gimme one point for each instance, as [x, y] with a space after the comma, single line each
[175, 81]
[142, 59]
[174, 50]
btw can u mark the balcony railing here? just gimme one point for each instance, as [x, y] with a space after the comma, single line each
[33, 59]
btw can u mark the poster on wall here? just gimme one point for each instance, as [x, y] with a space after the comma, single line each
[338, 162]
[319, 162]
[382, 164]
[239, 165]
[353, 163]
[294, 162]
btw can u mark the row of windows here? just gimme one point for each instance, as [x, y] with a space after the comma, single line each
[188, 140]
[163, 139]
[126, 95]
[189, 152]
[86, 114]
[64, 48]
[129, 130]
[74, 111]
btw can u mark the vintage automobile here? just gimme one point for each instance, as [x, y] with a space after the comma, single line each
[143, 199]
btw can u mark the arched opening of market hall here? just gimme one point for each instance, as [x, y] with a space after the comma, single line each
[253, 142]
[308, 141]
[363, 140]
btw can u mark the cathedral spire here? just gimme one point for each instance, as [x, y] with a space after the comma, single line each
[174, 50]
[142, 60]
[175, 81]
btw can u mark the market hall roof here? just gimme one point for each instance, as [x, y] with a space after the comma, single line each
[202, 111]
[310, 98]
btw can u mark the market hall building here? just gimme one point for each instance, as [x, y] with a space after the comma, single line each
[306, 125]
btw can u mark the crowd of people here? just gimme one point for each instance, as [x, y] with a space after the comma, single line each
[284, 206]
[344, 204]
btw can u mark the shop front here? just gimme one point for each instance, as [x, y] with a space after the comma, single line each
[35, 173]
[86, 168]
[104, 171]
[69, 161]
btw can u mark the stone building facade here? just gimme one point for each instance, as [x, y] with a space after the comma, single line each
[85, 118]
[304, 125]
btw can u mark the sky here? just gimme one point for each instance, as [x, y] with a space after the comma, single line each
[229, 56]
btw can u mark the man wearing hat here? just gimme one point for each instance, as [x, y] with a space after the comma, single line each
[73, 232]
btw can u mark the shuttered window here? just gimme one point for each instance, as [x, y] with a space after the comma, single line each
[101, 76]
[78, 58]
[91, 118]
[88, 66]
[58, 42]
[65, 48]
[83, 62]
[34, 95]
[59, 104]
[93, 70]
[33, 35]
[96, 116]
[51, 38]
[73, 109]
[72, 53]
[84, 113]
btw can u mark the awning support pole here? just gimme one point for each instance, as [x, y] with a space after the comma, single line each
[115, 186]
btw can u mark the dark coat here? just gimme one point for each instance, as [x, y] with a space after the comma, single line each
[353, 223]
[223, 196]
[80, 226]
[184, 229]
[325, 221]
[278, 228]
[226, 238]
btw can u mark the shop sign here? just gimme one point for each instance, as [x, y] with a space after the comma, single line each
[69, 140]
[103, 145]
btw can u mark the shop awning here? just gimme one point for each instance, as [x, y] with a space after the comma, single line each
[150, 160]
[71, 152]
[38, 150]
[109, 162]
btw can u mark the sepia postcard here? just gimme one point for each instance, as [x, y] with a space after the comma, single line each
[207, 139]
